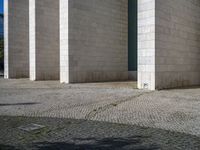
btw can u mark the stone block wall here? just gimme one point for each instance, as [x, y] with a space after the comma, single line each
[16, 37]
[87, 41]
[44, 43]
[98, 40]
[177, 43]
[168, 43]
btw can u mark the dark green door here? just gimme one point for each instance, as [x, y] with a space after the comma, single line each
[132, 35]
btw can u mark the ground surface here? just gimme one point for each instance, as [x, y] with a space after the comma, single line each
[69, 134]
[175, 110]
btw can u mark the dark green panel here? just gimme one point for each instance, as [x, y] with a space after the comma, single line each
[132, 35]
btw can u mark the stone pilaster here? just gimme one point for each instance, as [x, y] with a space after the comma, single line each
[64, 42]
[146, 44]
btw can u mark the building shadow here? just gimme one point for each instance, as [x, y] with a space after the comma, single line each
[126, 143]
[18, 104]
[7, 147]
[73, 134]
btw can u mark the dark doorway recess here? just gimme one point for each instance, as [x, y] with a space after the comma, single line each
[132, 35]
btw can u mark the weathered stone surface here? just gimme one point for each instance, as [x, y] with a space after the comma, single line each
[169, 43]
[16, 36]
[177, 43]
[97, 36]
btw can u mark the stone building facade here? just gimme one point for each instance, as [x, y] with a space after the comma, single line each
[95, 40]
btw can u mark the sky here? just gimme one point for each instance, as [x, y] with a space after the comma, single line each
[1, 6]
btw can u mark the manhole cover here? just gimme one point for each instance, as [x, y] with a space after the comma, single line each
[31, 127]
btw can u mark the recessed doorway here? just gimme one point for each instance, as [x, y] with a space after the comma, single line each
[132, 39]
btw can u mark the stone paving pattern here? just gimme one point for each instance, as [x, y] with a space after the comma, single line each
[174, 110]
[70, 134]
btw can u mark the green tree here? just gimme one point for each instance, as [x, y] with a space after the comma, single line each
[1, 53]
[1, 49]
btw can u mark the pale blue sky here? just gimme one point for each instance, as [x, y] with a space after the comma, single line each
[1, 6]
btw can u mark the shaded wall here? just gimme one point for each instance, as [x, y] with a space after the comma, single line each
[98, 40]
[132, 39]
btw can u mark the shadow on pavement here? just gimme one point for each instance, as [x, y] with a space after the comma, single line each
[7, 147]
[73, 134]
[135, 143]
[18, 104]
[98, 144]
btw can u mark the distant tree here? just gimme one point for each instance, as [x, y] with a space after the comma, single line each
[1, 54]
[1, 48]
[1, 43]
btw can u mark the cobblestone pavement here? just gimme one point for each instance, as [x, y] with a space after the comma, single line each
[175, 110]
[70, 134]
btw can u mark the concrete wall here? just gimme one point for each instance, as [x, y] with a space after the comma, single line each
[16, 33]
[98, 40]
[146, 44]
[44, 39]
[177, 43]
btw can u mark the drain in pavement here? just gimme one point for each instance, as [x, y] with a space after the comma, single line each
[31, 127]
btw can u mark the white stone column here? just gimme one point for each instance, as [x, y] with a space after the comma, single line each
[16, 37]
[44, 40]
[6, 64]
[64, 42]
[146, 44]
[32, 40]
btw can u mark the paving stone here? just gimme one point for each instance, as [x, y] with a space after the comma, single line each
[31, 127]
[71, 134]
[174, 110]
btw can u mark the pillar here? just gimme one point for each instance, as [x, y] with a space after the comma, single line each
[146, 44]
